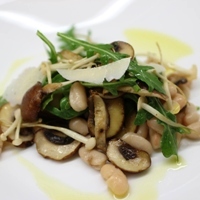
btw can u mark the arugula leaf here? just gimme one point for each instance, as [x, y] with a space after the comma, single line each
[104, 50]
[112, 87]
[65, 111]
[141, 117]
[57, 103]
[65, 44]
[106, 55]
[141, 72]
[2, 101]
[168, 140]
[52, 53]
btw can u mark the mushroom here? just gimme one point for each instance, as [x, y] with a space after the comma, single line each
[26, 136]
[127, 157]
[142, 92]
[69, 55]
[123, 47]
[101, 122]
[51, 87]
[50, 144]
[90, 121]
[31, 103]
[129, 126]
[90, 142]
[115, 109]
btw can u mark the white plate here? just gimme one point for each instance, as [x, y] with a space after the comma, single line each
[26, 175]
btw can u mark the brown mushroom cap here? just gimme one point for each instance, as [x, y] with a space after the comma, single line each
[31, 103]
[123, 47]
[127, 158]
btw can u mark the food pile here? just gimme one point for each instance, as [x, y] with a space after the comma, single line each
[100, 101]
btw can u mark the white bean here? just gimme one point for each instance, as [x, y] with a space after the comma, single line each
[191, 114]
[190, 118]
[142, 130]
[78, 97]
[155, 139]
[79, 125]
[137, 142]
[185, 89]
[195, 131]
[180, 99]
[116, 180]
[93, 157]
[153, 124]
[190, 108]
[180, 117]
[172, 89]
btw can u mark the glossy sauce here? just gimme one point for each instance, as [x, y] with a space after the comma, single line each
[56, 190]
[144, 41]
[146, 186]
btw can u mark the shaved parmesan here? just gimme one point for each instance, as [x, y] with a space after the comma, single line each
[18, 87]
[114, 70]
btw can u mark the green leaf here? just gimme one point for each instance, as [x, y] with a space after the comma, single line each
[112, 87]
[107, 55]
[2, 101]
[65, 44]
[52, 53]
[64, 111]
[141, 117]
[141, 73]
[168, 142]
[56, 95]
[104, 50]
[47, 100]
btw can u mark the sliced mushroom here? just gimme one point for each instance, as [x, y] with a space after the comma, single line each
[142, 92]
[90, 120]
[31, 103]
[115, 109]
[69, 55]
[60, 151]
[123, 47]
[129, 125]
[127, 157]
[100, 121]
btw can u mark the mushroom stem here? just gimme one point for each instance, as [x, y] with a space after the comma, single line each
[89, 142]
[158, 115]
[17, 141]
[51, 87]
[17, 115]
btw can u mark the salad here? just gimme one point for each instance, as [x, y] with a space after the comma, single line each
[104, 102]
